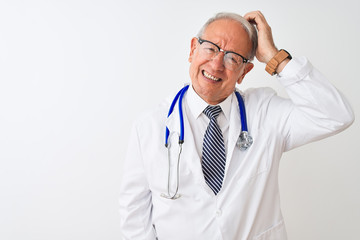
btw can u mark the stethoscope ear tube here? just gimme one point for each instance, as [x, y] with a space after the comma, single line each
[175, 195]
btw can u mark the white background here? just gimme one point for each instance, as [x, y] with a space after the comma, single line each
[75, 74]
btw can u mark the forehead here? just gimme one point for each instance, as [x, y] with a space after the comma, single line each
[229, 34]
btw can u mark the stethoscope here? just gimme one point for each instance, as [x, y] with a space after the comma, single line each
[244, 141]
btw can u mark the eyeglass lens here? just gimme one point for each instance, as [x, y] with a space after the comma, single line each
[231, 60]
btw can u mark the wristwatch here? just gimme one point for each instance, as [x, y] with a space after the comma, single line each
[273, 64]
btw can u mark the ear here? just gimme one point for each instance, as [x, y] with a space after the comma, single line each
[248, 67]
[192, 48]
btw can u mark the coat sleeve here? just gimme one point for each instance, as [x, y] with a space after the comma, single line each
[135, 197]
[315, 110]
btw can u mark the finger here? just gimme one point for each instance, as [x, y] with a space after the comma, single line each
[253, 15]
[257, 18]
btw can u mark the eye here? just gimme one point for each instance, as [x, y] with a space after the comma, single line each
[233, 59]
[210, 49]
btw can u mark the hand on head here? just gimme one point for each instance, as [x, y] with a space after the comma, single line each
[266, 49]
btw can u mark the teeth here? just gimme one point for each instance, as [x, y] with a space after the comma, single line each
[207, 75]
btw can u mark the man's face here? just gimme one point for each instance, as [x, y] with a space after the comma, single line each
[210, 79]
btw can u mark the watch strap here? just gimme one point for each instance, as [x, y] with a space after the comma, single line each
[273, 64]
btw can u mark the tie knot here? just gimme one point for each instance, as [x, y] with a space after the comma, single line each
[212, 111]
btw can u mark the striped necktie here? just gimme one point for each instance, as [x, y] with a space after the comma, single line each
[213, 154]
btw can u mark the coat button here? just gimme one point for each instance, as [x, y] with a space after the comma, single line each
[218, 213]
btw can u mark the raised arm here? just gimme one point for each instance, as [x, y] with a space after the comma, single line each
[315, 110]
[266, 49]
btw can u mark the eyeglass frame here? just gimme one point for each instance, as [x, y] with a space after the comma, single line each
[201, 41]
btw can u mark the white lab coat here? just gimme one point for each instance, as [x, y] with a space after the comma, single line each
[248, 205]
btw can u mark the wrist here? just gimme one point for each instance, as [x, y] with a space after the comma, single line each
[271, 55]
[282, 65]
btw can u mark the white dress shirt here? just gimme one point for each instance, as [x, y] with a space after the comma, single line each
[200, 121]
[248, 204]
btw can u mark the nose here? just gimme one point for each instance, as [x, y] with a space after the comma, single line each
[217, 61]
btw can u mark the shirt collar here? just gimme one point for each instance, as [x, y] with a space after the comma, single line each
[197, 104]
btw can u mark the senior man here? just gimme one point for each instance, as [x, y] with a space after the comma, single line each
[218, 190]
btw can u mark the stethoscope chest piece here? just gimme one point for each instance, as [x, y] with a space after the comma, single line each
[244, 141]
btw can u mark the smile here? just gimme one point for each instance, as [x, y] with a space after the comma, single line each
[209, 76]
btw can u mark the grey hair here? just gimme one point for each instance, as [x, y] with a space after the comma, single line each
[249, 28]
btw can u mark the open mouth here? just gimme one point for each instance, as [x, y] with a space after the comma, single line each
[209, 76]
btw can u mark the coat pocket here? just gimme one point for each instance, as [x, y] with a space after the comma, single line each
[276, 232]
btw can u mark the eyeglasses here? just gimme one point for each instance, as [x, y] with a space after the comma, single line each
[232, 60]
